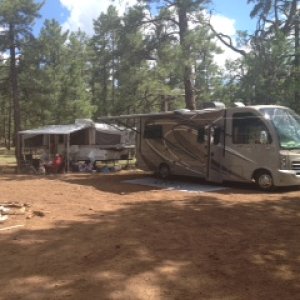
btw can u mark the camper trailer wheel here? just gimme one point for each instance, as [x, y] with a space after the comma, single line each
[264, 180]
[164, 171]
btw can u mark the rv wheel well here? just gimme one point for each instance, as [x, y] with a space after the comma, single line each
[263, 179]
[259, 171]
[163, 165]
[164, 170]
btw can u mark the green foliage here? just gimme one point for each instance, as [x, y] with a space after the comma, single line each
[104, 58]
[54, 78]
[7, 157]
[268, 73]
[16, 20]
[19, 15]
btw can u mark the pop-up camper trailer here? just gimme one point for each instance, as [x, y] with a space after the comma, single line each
[244, 143]
[83, 140]
[107, 142]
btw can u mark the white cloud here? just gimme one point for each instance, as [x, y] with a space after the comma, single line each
[83, 12]
[226, 26]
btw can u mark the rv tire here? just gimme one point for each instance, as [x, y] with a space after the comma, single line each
[164, 171]
[264, 180]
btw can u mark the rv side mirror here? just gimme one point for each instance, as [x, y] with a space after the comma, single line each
[263, 137]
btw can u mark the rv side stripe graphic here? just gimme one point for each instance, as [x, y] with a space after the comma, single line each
[216, 166]
[174, 162]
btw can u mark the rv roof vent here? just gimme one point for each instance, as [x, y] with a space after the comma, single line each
[214, 104]
[181, 111]
[84, 121]
[239, 104]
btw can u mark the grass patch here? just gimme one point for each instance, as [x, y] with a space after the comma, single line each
[7, 157]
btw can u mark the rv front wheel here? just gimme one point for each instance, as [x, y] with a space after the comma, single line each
[264, 180]
[164, 171]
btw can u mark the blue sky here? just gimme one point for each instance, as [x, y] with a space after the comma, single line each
[237, 10]
[52, 9]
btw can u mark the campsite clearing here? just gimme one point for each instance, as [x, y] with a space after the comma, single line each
[93, 236]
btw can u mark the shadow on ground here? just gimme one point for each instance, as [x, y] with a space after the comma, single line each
[196, 249]
[107, 183]
[115, 183]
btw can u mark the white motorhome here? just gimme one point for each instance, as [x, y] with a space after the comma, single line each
[246, 144]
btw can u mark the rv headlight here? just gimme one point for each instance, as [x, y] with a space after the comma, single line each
[283, 162]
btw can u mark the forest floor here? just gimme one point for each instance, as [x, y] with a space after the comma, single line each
[92, 236]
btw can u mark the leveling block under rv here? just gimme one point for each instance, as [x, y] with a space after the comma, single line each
[244, 144]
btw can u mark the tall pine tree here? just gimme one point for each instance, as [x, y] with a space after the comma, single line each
[16, 18]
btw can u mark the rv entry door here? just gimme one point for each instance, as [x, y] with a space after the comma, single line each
[214, 155]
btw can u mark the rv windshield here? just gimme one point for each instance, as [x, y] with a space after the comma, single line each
[287, 125]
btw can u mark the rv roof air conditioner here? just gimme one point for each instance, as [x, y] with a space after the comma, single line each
[213, 105]
[84, 122]
[239, 104]
[181, 111]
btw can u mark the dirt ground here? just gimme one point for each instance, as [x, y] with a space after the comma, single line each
[91, 236]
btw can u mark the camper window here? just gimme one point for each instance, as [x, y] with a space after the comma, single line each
[153, 132]
[247, 129]
[35, 141]
[80, 137]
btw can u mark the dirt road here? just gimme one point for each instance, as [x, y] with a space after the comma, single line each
[94, 237]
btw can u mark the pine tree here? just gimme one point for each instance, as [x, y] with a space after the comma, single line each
[105, 60]
[177, 13]
[17, 18]
[5, 104]
[75, 98]
[278, 19]
[54, 77]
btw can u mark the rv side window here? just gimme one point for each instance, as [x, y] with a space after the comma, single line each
[247, 128]
[201, 135]
[153, 132]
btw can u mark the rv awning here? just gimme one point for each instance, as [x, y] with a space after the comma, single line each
[55, 129]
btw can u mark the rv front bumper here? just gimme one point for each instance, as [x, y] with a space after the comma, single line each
[287, 178]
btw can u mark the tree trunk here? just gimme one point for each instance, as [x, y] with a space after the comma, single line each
[297, 59]
[9, 123]
[113, 70]
[105, 91]
[3, 133]
[14, 89]
[188, 74]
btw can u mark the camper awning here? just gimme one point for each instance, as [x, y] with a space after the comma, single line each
[55, 129]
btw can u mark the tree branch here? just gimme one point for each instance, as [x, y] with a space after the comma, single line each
[290, 18]
[227, 41]
[149, 21]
